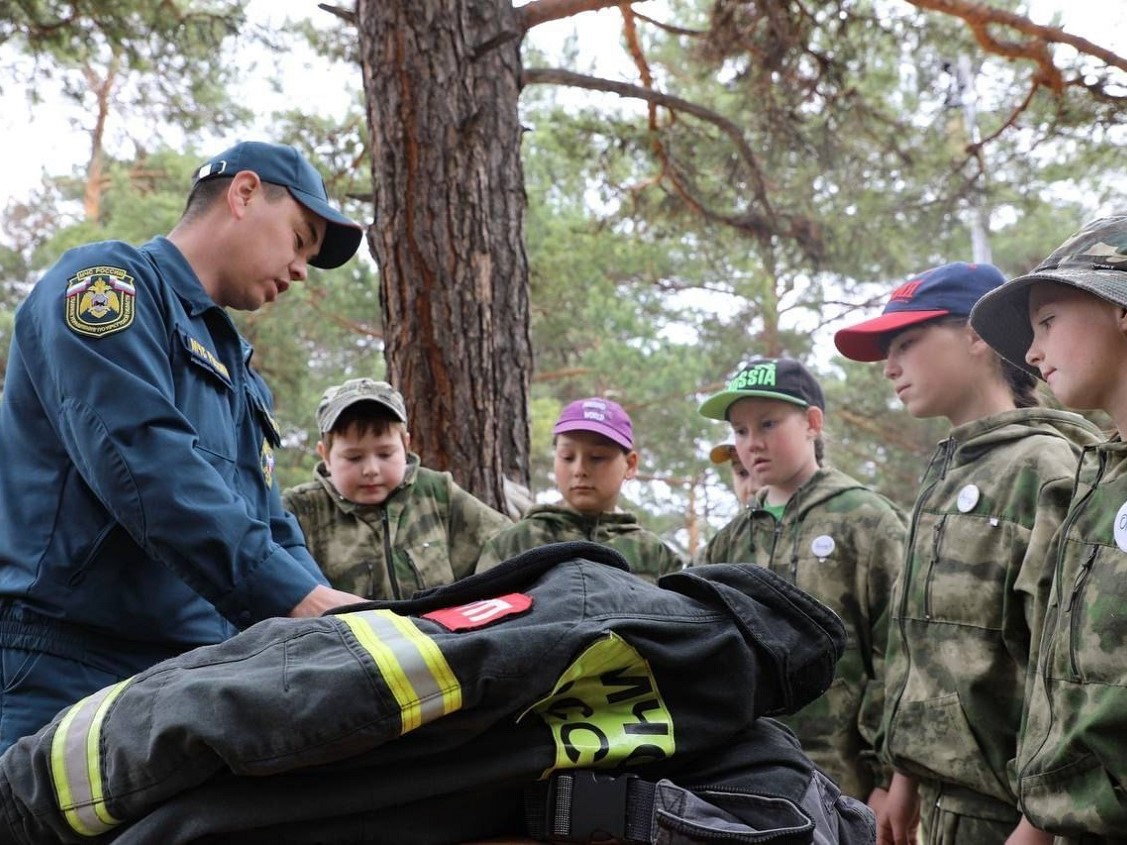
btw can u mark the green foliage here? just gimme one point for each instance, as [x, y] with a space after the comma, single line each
[168, 62]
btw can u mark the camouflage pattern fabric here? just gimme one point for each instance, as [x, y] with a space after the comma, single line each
[967, 612]
[844, 544]
[647, 554]
[1072, 763]
[429, 528]
[953, 816]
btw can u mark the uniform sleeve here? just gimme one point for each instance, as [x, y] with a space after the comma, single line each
[1034, 579]
[113, 401]
[1034, 583]
[472, 524]
[507, 543]
[886, 559]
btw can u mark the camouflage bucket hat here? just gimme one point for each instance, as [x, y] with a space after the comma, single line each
[1093, 260]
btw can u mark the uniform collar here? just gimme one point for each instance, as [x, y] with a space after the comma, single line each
[179, 275]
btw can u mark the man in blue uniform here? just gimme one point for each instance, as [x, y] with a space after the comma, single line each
[139, 515]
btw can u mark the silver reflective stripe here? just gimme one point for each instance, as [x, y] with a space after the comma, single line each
[412, 665]
[76, 767]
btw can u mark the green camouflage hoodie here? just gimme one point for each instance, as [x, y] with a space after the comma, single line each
[844, 544]
[646, 553]
[967, 613]
[1072, 761]
[430, 527]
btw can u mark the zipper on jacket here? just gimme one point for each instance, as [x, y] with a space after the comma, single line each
[936, 542]
[393, 582]
[943, 454]
[1053, 620]
[419, 583]
[1077, 588]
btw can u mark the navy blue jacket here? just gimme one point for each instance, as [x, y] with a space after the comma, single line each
[137, 499]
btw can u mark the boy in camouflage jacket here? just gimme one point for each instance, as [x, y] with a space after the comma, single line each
[1067, 322]
[378, 524]
[830, 535]
[594, 454]
[967, 612]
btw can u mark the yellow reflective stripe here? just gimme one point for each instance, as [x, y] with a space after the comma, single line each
[75, 765]
[411, 663]
[439, 669]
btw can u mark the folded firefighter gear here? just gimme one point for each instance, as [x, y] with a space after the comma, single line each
[447, 716]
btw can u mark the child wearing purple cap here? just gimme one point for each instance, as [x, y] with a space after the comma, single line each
[966, 615]
[593, 441]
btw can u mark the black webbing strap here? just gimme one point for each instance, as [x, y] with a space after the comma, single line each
[585, 806]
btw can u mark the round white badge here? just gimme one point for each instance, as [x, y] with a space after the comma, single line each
[1121, 527]
[823, 545]
[968, 498]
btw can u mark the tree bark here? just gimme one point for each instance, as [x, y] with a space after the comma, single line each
[448, 236]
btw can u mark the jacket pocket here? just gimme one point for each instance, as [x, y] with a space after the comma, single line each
[1093, 614]
[205, 396]
[969, 558]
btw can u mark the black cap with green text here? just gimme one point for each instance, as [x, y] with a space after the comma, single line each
[283, 165]
[784, 379]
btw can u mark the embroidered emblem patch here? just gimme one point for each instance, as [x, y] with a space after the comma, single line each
[99, 301]
[478, 614]
[267, 463]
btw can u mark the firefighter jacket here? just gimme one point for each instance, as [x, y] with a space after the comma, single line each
[843, 544]
[555, 661]
[428, 532]
[647, 554]
[970, 606]
[1072, 766]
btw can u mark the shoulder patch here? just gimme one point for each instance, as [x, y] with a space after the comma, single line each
[478, 614]
[99, 301]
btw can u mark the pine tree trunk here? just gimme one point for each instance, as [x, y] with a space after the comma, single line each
[449, 230]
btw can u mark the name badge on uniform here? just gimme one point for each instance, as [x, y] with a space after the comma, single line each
[823, 546]
[1121, 528]
[967, 499]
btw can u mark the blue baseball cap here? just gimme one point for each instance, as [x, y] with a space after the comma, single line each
[951, 289]
[284, 165]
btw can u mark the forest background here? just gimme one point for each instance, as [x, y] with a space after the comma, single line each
[706, 181]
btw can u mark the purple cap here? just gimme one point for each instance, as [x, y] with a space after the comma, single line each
[601, 416]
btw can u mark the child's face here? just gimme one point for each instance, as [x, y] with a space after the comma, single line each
[366, 467]
[775, 441]
[1078, 344]
[742, 482]
[932, 370]
[590, 470]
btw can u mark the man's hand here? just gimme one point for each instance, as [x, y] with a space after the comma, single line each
[322, 598]
[899, 818]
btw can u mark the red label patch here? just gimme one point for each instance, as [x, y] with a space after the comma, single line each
[478, 614]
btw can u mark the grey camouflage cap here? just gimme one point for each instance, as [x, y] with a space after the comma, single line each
[1093, 260]
[341, 396]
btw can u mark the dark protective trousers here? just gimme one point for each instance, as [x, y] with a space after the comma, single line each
[556, 693]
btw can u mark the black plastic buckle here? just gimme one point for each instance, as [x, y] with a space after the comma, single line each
[585, 806]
